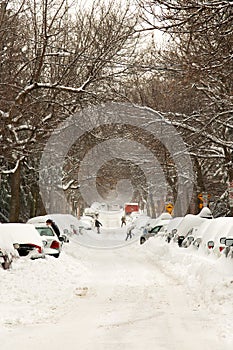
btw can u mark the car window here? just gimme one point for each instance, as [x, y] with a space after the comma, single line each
[45, 231]
[156, 229]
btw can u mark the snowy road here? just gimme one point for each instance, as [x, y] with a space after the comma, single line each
[132, 302]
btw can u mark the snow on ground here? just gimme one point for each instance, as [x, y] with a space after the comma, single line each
[150, 296]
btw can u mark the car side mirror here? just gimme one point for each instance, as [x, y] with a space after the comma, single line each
[223, 240]
[229, 242]
[210, 244]
[61, 239]
[16, 246]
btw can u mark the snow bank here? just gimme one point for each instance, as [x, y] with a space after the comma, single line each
[209, 279]
[39, 291]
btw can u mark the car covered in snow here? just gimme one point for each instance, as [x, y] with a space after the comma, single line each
[7, 251]
[24, 238]
[155, 226]
[52, 243]
[226, 240]
[161, 229]
[189, 222]
[86, 223]
[67, 224]
[172, 227]
[192, 237]
[213, 234]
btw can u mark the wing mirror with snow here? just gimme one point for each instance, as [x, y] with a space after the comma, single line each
[210, 244]
[223, 240]
[229, 242]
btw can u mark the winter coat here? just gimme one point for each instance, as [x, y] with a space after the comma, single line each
[56, 229]
[97, 223]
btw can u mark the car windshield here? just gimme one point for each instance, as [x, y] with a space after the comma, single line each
[45, 231]
[156, 229]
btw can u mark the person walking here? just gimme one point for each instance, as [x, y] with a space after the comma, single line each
[123, 221]
[129, 232]
[97, 225]
[51, 223]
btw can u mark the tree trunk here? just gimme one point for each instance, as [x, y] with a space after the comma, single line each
[15, 196]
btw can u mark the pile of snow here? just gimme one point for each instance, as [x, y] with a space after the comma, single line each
[39, 291]
[208, 278]
[205, 213]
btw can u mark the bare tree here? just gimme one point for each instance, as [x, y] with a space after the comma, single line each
[54, 62]
[198, 93]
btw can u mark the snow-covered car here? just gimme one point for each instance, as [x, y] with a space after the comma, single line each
[52, 244]
[67, 223]
[7, 251]
[172, 227]
[186, 224]
[24, 238]
[227, 241]
[86, 222]
[214, 233]
[190, 238]
[152, 232]
[229, 247]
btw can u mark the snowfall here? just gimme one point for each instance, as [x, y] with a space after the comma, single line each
[106, 293]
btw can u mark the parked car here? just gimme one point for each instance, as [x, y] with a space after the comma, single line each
[190, 238]
[86, 222]
[7, 251]
[6, 259]
[186, 224]
[52, 243]
[227, 240]
[229, 247]
[65, 222]
[24, 238]
[214, 233]
[172, 228]
[152, 232]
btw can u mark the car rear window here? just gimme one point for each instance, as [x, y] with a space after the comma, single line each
[45, 231]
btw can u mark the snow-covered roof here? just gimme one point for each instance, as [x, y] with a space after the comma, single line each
[11, 233]
[188, 222]
[215, 228]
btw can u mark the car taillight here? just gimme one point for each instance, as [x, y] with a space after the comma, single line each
[55, 245]
[221, 249]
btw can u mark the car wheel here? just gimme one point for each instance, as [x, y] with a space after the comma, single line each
[142, 240]
[56, 255]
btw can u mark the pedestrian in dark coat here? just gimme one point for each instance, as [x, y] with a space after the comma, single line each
[51, 223]
[97, 225]
[123, 221]
[129, 232]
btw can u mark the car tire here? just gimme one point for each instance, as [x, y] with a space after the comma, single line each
[56, 255]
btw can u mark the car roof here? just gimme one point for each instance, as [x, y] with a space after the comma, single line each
[21, 233]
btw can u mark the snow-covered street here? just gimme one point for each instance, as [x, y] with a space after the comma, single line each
[155, 296]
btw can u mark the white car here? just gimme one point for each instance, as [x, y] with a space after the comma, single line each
[24, 238]
[186, 224]
[172, 227]
[52, 244]
[158, 230]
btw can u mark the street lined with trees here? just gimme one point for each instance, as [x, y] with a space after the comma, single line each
[56, 60]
